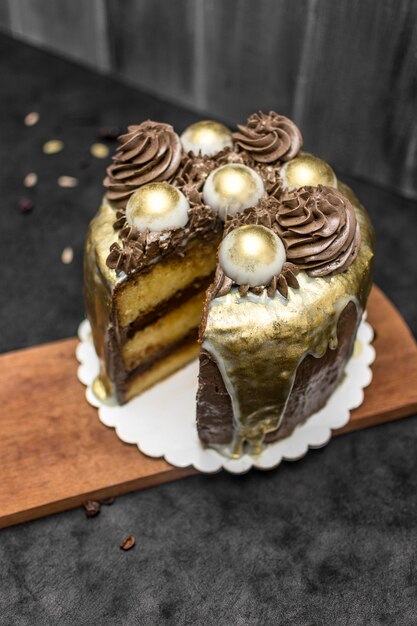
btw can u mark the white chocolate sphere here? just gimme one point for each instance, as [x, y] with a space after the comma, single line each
[156, 207]
[232, 188]
[252, 255]
[206, 137]
[306, 169]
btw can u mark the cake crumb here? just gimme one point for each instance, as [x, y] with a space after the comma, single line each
[67, 255]
[128, 543]
[92, 508]
[53, 146]
[30, 180]
[31, 118]
[99, 150]
[67, 181]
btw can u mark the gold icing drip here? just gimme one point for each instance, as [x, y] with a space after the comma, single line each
[258, 342]
[99, 283]
[100, 389]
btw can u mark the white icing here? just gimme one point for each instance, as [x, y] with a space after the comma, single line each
[235, 200]
[121, 276]
[248, 268]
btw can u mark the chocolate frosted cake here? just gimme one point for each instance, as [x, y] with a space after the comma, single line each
[239, 238]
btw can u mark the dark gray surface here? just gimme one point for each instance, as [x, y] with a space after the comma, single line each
[352, 64]
[330, 539]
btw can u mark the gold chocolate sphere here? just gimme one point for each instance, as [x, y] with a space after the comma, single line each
[232, 188]
[207, 137]
[306, 169]
[252, 255]
[156, 207]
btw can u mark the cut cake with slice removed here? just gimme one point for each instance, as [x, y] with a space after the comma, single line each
[283, 247]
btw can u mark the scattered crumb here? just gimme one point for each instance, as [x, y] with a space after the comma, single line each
[30, 180]
[99, 150]
[67, 255]
[25, 205]
[107, 501]
[106, 132]
[67, 181]
[128, 543]
[92, 508]
[53, 146]
[31, 118]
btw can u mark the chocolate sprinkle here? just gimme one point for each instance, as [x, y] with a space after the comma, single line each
[25, 205]
[92, 508]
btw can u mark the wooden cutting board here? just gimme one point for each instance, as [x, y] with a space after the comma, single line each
[55, 454]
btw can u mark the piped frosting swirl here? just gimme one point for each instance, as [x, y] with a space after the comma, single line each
[319, 228]
[269, 138]
[148, 152]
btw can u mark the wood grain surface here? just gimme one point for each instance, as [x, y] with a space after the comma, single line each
[345, 71]
[55, 454]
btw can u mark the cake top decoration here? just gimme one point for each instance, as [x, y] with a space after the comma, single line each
[307, 170]
[137, 250]
[206, 137]
[168, 189]
[284, 274]
[319, 228]
[232, 188]
[148, 152]
[156, 207]
[251, 255]
[269, 138]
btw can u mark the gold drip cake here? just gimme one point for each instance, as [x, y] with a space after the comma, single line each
[236, 247]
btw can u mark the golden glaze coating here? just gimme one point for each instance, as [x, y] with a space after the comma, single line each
[258, 342]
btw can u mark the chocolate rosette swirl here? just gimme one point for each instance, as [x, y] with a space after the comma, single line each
[269, 138]
[319, 228]
[148, 152]
[193, 172]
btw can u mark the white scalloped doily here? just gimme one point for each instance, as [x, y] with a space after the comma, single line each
[161, 421]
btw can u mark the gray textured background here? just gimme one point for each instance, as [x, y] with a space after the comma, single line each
[345, 70]
[330, 540]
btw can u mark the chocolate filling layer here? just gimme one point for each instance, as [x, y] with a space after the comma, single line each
[163, 308]
[188, 339]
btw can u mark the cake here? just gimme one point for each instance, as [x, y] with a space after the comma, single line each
[238, 248]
